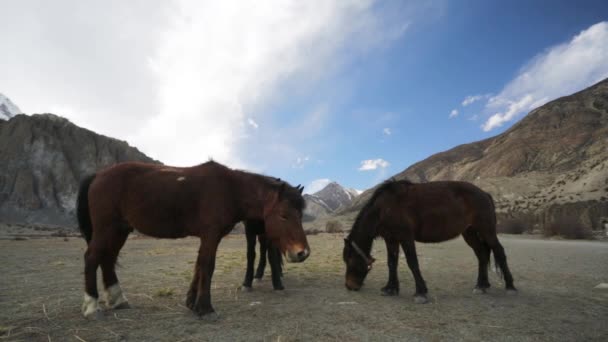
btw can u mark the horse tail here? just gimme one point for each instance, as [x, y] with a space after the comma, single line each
[82, 208]
[497, 269]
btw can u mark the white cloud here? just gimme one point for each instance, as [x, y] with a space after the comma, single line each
[179, 78]
[559, 71]
[252, 123]
[453, 113]
[471, 99]
[300, 162]
[387, 131]
[316, 185]
[373, 164]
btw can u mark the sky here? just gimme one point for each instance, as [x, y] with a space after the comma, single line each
[308, 91]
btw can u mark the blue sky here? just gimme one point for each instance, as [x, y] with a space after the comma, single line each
[411, 86]
[351, 91]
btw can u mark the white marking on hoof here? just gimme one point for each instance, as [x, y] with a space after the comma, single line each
[181, 179]
[601, 286]
[479, 290]
[418, 299]
[246, 289]
[90, 307]
[115, 299]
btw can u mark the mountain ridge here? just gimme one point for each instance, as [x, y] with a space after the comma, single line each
[43, 158]
[552, 163]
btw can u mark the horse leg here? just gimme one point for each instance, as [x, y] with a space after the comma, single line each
[263, 255]
[191, 295]
[206, 262]
[482, 252]
[250, 259]
[392, 255]
[501, 260]
[115, 298]
[274, 257]
[409, 248]
[90, 306]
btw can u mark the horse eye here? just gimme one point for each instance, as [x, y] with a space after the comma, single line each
[283, 217]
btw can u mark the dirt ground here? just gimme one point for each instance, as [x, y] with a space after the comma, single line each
[41, 292]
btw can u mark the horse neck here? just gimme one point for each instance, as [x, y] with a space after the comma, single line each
[363, 233]
[252, 194]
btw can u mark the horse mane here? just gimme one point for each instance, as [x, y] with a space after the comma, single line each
[290, 193]
[388, 185]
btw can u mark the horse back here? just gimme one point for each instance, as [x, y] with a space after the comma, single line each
[161, 201]
[438, 211]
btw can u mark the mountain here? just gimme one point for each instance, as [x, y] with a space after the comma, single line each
[550, 165]
[7, 108]
[42, 159]
[331, 198]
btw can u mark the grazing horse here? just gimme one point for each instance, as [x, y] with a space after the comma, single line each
[255, 229]
[205, 201]
[402, 212]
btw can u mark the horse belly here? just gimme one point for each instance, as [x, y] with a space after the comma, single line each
[155, 225]
[439, 229]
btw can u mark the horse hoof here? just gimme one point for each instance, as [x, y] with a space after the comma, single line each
[95, 316]
[122, 306]
[210, 317]
[479, 290]
[511, 292]
[389, 291]
[420, 299]
[246, 288]
[279, 288]
[257, 279]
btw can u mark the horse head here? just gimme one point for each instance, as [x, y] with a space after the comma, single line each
[283, 220]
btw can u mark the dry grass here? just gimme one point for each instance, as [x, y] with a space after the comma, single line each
[333, 227]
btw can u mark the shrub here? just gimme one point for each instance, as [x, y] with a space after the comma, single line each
[568, 228]
[513, 226]
[333, 227]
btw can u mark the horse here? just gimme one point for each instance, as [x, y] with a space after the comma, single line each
[161, 201]
[255, 229]
[402, 212]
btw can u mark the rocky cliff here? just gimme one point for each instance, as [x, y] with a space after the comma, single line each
[42, 159]
[552, 164]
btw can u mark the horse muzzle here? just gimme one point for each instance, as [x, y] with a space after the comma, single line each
[298, 255]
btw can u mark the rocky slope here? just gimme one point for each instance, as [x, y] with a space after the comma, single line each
[551, 165]
[42, 159]
[331, 198]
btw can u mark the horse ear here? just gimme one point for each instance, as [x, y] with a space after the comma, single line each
[301, 190]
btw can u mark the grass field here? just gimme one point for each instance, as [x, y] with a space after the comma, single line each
[41, 286]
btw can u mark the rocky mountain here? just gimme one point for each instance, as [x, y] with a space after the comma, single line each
[550, 165]
[331, 198]
[7, 108]
[42, 159]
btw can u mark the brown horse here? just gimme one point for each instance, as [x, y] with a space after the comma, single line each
[172, 202]
[402, 212]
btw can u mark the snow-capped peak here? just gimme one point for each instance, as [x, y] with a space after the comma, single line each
[7, 108]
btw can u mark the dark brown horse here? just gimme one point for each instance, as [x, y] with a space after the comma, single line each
[255, 229]
[402, 212]
[171, 202]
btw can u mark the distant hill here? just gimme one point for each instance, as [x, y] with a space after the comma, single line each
[42, 159]
[7, 108]
[328, 200]
[552, 164]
